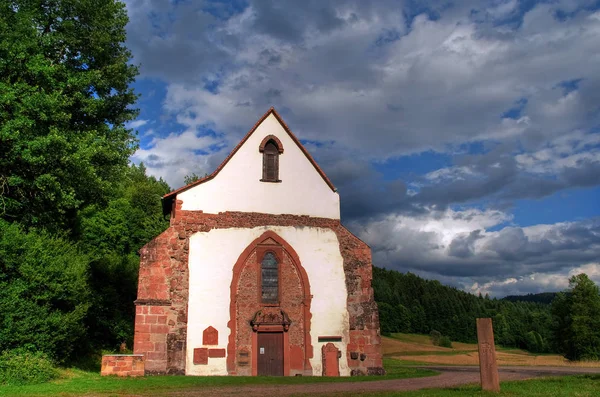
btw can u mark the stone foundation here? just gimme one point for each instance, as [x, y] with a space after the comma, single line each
[123, 365]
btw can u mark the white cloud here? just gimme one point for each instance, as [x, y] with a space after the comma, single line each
[503, 9]
[442, 81]
[137, 123]
[397, 237]
[564, 152]
[177, 155]
[450, 174]
[536, 282]
[459, 248]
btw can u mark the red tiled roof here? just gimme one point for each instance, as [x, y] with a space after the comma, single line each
[171, 195]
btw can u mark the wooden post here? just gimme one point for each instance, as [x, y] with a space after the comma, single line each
[487, 355]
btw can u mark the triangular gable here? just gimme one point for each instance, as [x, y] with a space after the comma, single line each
[168, 198]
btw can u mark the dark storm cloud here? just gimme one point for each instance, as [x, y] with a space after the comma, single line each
[462, 246]
[372, 198]
[499, 176]
[511, 251]
[289, 21]
[495, 176]
[174, 41]
[364, 192]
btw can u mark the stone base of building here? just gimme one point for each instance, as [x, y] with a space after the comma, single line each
[123, 365]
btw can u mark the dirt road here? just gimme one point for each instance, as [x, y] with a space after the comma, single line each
[449, 376]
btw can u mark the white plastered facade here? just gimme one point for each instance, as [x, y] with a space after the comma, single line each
[212, 256]
[237, 186]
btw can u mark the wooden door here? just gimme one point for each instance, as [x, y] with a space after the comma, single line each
[270, 353]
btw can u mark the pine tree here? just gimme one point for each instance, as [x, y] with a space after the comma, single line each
[577, 320]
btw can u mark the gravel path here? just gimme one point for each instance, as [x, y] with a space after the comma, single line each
[449, 376]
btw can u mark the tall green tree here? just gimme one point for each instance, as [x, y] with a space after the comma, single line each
[72, 212]
[65, 97]
[576, 314]
[112, 235]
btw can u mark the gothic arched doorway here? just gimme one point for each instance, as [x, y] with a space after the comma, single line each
[269, 311]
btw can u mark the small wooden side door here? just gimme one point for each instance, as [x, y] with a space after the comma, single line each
[270, 353]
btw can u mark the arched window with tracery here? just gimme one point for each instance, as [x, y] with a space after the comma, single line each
[269, 273]
[271, 149]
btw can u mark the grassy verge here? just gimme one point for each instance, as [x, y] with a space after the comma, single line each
[567, 386]
[76, 382]
[443, 353]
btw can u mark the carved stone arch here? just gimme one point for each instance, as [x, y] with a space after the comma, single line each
[270, 238]
[271, 148]
[299, 358]
[273, 317]
[266, 140]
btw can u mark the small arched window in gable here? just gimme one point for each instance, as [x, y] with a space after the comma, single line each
[269, 275]
[271, 149]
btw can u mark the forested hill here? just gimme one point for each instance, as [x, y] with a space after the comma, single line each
[408, 303]
[544, 297]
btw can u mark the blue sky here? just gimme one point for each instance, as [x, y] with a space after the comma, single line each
[464, 137]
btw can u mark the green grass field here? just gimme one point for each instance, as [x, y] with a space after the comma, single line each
[567, 386]
[414, 350]
[76, 382]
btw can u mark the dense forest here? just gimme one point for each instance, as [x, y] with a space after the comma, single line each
[569, 323]
[74, 211]
[543, 297]
[408, 303]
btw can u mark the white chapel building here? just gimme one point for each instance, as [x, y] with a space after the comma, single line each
[256, 275]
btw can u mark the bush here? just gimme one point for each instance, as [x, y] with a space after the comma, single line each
[20, 367]
[435, 337]
[44, 293]
[445, 342]
[534, 342]
[438, 340]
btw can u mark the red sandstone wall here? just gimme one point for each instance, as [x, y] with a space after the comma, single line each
[365, 340]
[122, 365]
[151, 332]
[163, 282]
